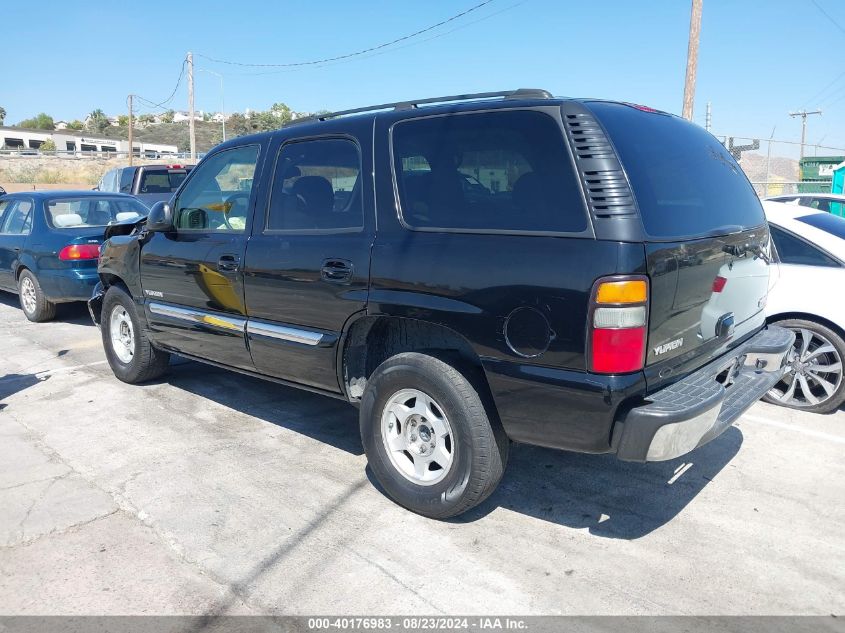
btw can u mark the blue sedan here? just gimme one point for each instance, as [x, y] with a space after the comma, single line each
[50, 242]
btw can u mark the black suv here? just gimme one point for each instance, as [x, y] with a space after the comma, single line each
[579, 274]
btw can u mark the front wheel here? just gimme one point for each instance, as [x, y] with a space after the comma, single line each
[814, 379]
[132, 357]
[429, 438]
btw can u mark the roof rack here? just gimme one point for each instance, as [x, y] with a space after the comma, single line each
[521, 93]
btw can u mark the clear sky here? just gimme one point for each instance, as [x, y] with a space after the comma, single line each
[758, 59]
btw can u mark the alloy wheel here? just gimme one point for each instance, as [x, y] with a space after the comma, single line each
[814, 374]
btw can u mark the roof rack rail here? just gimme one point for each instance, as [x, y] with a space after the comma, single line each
[520, 93]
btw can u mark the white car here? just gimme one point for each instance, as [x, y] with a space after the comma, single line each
[831, 202]
[806, 296]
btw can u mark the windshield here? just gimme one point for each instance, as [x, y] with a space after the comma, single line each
[832, 224]
[161, 180]
[685, 182]
[70, 213]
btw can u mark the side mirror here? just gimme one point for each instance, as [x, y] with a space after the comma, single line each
[160, 217]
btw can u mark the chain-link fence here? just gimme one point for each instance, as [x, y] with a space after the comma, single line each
[773, 165]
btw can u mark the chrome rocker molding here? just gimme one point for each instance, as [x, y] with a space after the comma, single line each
[285, 333]
[196, 316]
[243, 326]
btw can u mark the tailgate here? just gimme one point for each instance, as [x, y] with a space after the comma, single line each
[706, 293]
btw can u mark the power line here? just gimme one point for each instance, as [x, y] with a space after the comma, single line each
[825, 89]
[829, 17]
[172, 94]
[356, 53]
[396, 48]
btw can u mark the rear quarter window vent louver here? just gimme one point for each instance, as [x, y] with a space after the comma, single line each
[605, 185]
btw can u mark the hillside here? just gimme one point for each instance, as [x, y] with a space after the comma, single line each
[208, 134]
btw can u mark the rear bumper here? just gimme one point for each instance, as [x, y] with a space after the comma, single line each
[73, 284]
[700, 407]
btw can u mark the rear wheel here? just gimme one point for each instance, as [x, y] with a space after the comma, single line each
[814, 381]
[430, 440]
[36, 307]
[132, 357]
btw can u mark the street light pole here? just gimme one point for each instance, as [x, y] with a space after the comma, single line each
[222, 97]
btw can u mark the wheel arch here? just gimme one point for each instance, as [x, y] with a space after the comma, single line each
[807, 316]
[372, 339]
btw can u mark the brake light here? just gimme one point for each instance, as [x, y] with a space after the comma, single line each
[175, 166]
[719, 284]
[616, 333]
[74, 252]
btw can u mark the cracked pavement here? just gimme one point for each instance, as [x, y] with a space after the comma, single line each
[209, 492]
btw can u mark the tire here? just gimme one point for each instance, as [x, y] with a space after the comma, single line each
[130, 354]
[473, 453]
[811, 389]
[34, 304]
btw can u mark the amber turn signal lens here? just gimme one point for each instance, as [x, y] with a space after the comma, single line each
[633, 291]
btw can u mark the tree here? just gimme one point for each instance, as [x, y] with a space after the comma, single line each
[48, 146]
[168, 116]
[146, 119]
[237, 125]
[2, 115]
[97, 121]
[76, 124]
[40, 121]
[123, 120]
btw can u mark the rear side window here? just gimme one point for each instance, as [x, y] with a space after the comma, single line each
[316, 186]
[18, 218]
[794, 250]
[685, 182]
[501, 171]
[161, 180]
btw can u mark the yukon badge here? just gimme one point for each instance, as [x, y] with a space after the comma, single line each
[153, 293]
[666, 347]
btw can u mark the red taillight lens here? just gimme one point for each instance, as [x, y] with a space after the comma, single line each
[719, 284]
[618, 329]
[74, 252]
[618, 351]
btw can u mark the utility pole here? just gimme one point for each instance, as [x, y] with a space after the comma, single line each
[191, 127]
[130, 129]
[708, 118]
[692, 58]
[803, 114]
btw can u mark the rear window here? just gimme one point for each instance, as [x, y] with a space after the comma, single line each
[832, 224]
[685, 182]
[161, 180]
[71, 213]
[500, 171]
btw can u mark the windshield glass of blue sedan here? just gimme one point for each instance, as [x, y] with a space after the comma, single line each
[506, 171]
[685, 182]
[68, 213]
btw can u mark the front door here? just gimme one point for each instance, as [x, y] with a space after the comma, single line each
[307, 263]
[192, 277]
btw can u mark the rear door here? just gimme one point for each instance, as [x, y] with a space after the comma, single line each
[15, 227]
[192, 277]
[707, 242]
[308, 260]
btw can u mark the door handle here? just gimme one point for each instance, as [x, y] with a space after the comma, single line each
[228, 263]
[338, 271]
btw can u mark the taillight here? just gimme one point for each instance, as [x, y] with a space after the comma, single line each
[74, 252]
[719, 284]
[616, 333]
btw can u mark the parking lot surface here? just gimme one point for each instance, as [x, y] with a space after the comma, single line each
[211, 492]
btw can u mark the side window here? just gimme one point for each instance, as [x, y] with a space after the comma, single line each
[217, 196]
[4, 205]
[18, 218]
[506, 171]
[794, 250]
[316, 186]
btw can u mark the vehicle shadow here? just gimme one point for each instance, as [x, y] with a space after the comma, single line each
[75, 312]
[610, 498]
[11, 384]
[325, 419]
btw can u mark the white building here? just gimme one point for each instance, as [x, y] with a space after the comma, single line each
[77, 143]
